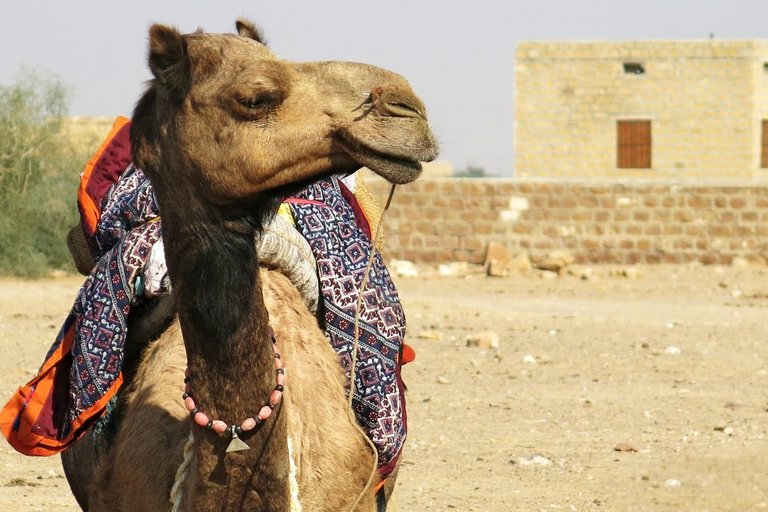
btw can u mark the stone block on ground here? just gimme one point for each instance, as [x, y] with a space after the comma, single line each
[501, 261]
[556, 261]
[404, 268]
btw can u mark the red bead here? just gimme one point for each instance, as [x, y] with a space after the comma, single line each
[201, 419]
[248, 424]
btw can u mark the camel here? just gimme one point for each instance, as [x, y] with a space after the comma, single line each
[224, 131]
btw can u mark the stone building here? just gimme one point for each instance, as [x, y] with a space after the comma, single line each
[651, 109]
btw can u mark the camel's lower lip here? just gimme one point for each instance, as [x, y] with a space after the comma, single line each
[392, 168]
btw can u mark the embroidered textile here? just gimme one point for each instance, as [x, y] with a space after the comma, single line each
[342, 250]
[101, 309]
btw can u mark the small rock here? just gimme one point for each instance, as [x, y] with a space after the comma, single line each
[673, 483]
[454, 269]
[529, 359]
[498, 252]
[443, 380]
[404, 268]
[739, 262]
[628, 272]
[624, 447]
[548, 275]
[556, 261]
[484, 339]
[496, 268]
[497, 258]
[430, 335]
[583, 273]
[534, 460]
[673, 351]
[728, 431]
[520, 263]
[499, 262]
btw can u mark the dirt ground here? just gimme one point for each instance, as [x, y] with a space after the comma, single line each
[635, 389]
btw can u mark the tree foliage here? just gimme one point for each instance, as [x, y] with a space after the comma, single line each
[471, 171]
[39, 172]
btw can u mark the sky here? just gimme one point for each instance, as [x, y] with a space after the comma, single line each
[457, 55]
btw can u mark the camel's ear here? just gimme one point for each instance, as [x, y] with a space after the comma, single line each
[168, 57]
[247, 29]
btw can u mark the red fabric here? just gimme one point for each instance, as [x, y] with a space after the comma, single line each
[360, 217]
[100, 173]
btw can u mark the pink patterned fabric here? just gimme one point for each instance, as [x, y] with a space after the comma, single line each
[342, 248]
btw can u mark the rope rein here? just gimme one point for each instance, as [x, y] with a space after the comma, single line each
[181, 474]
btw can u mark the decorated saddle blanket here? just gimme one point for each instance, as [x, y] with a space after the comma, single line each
[330, 221]
[82, 371]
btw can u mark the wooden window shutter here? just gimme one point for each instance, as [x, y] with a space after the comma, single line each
[633, 148]
[764, 146]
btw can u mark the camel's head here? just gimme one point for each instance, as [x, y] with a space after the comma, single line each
[238, 121]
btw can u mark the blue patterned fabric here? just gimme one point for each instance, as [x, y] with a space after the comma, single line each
[125, 234]
[130, 202]
[342, 250]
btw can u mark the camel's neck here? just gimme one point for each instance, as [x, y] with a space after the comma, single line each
[214, 271]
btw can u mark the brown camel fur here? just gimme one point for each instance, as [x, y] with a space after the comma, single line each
[224, 132]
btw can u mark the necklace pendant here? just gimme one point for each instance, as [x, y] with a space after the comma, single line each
[236, 444]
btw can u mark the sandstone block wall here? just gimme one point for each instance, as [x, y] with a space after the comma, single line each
[705, 100]
[441, 220]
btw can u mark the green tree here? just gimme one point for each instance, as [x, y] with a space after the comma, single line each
[39, 173]
[471, 171]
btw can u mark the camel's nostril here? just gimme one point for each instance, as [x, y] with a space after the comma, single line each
[400, 109]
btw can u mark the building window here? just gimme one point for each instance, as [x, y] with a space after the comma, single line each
[764, 146]
[633, 148]
[634, 68]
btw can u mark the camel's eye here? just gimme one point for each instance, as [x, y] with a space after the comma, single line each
[259, 105]
[254, 104]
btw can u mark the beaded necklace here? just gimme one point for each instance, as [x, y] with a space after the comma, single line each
[236, 444]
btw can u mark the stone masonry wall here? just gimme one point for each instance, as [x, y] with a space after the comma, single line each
[442, 220]
[705, 101]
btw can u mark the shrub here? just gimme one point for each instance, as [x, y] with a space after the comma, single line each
[39, 171]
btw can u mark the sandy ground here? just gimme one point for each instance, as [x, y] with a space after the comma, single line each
[638, 392]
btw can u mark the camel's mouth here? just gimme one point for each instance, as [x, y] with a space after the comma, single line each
[396, 169]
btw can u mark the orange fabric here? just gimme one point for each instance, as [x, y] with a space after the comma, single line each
[407, 354]
[379, 486]
[89, 209]
[19, 417]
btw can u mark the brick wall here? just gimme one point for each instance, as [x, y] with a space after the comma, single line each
[441, 220]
